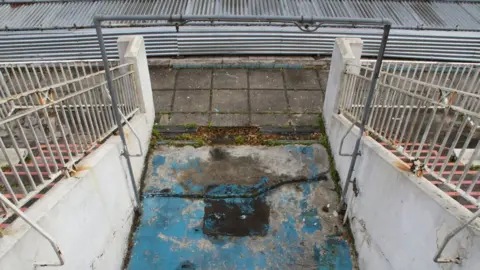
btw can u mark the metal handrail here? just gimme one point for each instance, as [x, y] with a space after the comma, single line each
[39, 229]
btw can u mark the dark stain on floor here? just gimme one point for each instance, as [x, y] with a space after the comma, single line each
[223, 168]
[236, 217]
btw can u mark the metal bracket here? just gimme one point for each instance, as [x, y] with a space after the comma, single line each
[449, 237]
[341, 144]
[355, 188]
[131, 128]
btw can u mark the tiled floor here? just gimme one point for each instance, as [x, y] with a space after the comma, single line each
[238, 97]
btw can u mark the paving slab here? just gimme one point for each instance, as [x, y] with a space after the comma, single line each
[305, 101]
[162, 100]
[230, 120]
[268, 101]
[230, 101]
[304, 119]
[230, 79]
[270, 119]
[301, 79]
[200, 119]
[194, 79]
[162, 78]
[281, 227]
[266, 79]
[191, 101]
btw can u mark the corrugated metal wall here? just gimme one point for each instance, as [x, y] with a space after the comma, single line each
[63, 30]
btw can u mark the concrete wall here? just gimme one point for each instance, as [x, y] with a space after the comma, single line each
[89, 215]
[398, 220]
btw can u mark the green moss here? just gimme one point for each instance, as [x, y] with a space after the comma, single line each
[333, 171]
[28, 159]
[185, 137]
[191, 125]
[6, 168]
[199, 143]
[156, 134]
[239, 139]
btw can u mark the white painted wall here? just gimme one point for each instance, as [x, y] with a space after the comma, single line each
[398, 220]
[90, 214]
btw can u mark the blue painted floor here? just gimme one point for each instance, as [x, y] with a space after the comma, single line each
[284, 228]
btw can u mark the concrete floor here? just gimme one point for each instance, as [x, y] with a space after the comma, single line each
[238, 97]
[249, 220]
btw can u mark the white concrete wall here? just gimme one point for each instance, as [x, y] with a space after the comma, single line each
[89, 215]
[398, 220]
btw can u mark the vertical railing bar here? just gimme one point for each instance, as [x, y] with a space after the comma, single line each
[402, 101]
[450, 151]
[100, 115]
[385, 100]
[8, 187]
[410, 101]
[59, 121]
[30, 153]
[13, 168]
[21, 159]
[462, 152]
[39, 146]
[63, 134]
[415, 138]
[87, 135]
[76, 110]
[84, 105]
[475, 180]
[468, 166]
[131, 89]
[89, 106]
[394, 102]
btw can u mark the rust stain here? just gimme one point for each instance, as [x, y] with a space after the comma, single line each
[79, 169]
[402, 166]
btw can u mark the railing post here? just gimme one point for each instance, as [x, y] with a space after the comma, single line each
[131, 49]
[346, 51]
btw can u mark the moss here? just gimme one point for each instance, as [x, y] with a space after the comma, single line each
[191, 125]
[6, 168]
[199, 143]
[185, 137]
[333, 171]
[28, 159]
[239, 139]
[156, 134]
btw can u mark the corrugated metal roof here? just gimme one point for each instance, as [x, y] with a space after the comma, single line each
[442, 15]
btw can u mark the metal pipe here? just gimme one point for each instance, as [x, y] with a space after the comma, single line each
[447, 239]
[366, 110]
[41, 231]
[118, 119]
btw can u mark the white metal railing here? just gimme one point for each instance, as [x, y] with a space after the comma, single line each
[52, 115]
[429, 113]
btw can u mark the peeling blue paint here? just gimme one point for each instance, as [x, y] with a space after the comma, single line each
[171, 235]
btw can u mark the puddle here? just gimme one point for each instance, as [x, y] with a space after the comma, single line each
[236, 217]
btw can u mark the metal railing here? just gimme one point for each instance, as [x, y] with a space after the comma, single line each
[52, 115]
[429, 114]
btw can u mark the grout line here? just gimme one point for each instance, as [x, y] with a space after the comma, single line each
[320, 85]
[174, 90]
[249, 108]
[210, 105]
[289, 110]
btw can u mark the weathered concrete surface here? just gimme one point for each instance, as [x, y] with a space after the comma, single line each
[238, 97]
[284, 228]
